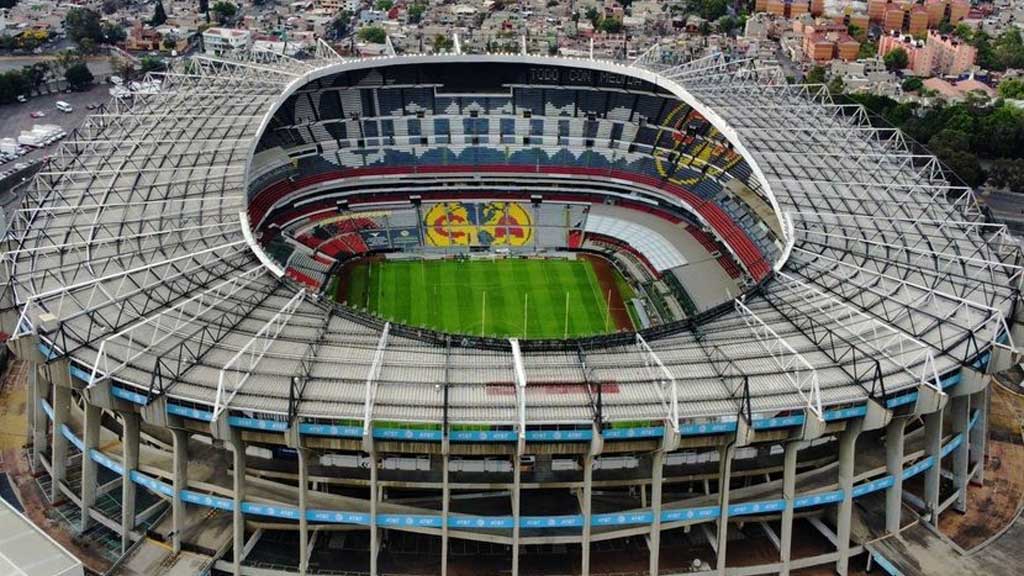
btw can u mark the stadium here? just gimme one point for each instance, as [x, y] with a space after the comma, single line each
[503, 314]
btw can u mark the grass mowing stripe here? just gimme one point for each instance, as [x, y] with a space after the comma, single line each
[542, 295]
[447, 295]
[600, 308]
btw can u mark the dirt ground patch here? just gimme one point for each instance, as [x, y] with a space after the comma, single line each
[13, 441]
[993, 506]
[606, 279]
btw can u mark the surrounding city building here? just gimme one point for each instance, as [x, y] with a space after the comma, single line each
[939, 54]
[218, 41]
[824, 41]
[790, 8]
[916, 18]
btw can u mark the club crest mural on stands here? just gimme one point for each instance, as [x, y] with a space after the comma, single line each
[477, 224]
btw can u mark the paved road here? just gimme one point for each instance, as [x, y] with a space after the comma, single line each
[1007, 207]
[98, 65]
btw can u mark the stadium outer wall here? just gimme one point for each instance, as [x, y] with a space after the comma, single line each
[805, 481]
[815, 468]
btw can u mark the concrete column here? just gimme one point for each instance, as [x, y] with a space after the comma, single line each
[724, 476]
[130, 461]
[445, 498]
[40, 438]
[59, 450]
[894, 467]
[933, 448]
[789, 497]
[657, 484]
[588, 491]
[30, 405]
[237, 518]
[374, 497]
[180, 480]
[516, 493]
[979, 434]
[91, 441]
[960, 408]
[847, 458]
[303, 507]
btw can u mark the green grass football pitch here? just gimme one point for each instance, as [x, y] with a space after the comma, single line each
[484, 297]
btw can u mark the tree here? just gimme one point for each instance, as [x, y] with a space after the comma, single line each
[8, 3]
[896, 59]
[373, 35]
[151, 64]
[710, 10]
[593, 16]
[836, 86]
[1007, 173]
[341, 22]
[815, 76]
[113, 33]
[224, 10]
[415, 13]
[442, 43]
[912, 84]
[82, 24]
[384, 5]
[12, 84]
[611, 25]
[204, 7]
[37, 73]
[159, 16]
[727, 24]
[964, 32]
[1012, 88]
[867, 50]
[78, 76]
[66, 59]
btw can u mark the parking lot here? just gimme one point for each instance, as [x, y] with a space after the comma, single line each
[17, 117]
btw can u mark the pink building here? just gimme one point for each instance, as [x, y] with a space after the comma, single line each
[939, 55]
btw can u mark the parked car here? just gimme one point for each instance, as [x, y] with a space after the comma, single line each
[37, 114]
[22, 98]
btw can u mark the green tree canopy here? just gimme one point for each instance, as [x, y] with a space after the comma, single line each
[896, 59]
[78, 76]
[867, 50]
[159, 15]
[1011, 88]
[151, 64]
[224, 10]
[373, 34]
[442, 43]
[912, 84]
[415, 12]
[611, 25]
[341, 22]
[816, 75]
[83, 24]
[1007, 173]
